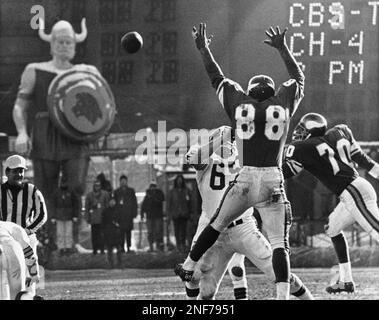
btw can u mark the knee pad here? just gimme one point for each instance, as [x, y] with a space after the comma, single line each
[207, 288]
[205, 267]
[262, 248]
[236, 272]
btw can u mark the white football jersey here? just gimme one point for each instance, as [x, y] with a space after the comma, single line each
[212, 182]
[213, 178]
[14, 231]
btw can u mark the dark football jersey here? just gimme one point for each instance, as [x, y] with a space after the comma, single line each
[260, 127]
[329, 158]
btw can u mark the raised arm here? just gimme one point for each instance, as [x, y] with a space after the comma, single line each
[277, 40]
[211, 66]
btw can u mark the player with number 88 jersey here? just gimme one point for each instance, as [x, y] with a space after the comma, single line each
[260, 117]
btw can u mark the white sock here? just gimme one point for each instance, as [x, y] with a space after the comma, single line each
[189, 264]
[345, 272]
[282, 291]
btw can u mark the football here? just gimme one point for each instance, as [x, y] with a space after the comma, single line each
[132, 42]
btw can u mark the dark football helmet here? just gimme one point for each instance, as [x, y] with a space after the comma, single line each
[261, 87]
[310, 125]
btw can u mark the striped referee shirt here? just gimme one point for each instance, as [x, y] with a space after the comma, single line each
[26, 208]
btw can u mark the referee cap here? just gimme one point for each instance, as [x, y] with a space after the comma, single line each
[15, 161]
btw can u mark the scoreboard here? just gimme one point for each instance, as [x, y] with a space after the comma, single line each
[341, 33]
[336, 43]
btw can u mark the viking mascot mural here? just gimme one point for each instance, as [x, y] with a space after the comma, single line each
[60, 109]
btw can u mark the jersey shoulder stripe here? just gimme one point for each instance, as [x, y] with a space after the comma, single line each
[225, 88]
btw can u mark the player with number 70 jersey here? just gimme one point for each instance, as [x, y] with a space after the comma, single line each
[331, 156]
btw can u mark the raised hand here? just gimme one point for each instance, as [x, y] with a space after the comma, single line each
[276, 39]
[201, 39]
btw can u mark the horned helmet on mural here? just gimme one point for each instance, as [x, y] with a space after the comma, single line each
[63, 38]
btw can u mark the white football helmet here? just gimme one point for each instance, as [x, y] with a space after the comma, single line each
[225, 151]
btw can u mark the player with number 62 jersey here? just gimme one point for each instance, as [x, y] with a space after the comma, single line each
[241, 238]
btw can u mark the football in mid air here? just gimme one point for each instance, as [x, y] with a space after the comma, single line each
[132, 42]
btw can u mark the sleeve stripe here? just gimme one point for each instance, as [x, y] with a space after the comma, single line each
[291, 168]
[294, 166]
[28, 252]
[220, 92]
[41, 214]
[296, 163]
[220, 86]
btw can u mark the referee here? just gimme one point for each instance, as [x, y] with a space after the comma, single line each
[22, 203]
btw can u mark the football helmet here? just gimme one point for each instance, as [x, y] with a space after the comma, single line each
[261, 87]
[310, 125]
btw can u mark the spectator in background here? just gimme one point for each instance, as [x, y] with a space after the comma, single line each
[65, 213]
[126, 211]
[111, 230]
[96, 201]
[195, 213]
[152, 207]
[179, 210]
[105, 184]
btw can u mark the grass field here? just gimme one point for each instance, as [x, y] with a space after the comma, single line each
[161, 284]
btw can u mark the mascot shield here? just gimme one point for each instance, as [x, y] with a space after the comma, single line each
[81, 104]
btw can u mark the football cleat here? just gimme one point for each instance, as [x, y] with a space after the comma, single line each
[185, 275]
[339, 287]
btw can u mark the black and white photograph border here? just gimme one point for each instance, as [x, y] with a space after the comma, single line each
[130, 93]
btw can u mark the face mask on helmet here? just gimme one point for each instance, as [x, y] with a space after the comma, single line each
[300, 133]
[310, 125]
[226, 150]
[225, 154]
